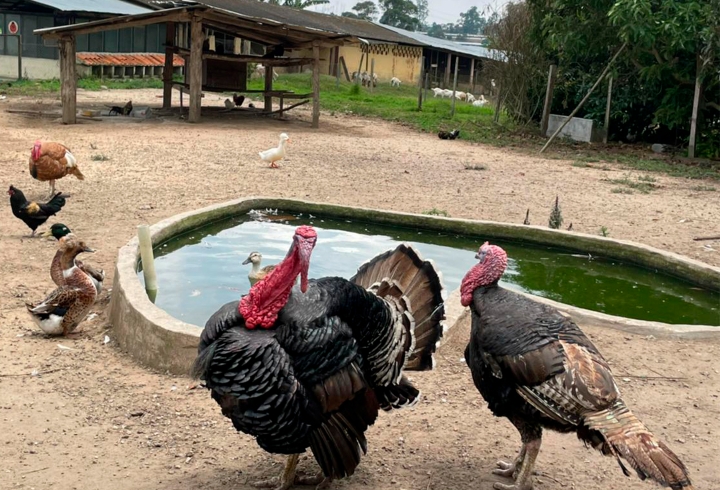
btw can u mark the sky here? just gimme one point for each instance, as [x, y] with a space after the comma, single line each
[441, 11]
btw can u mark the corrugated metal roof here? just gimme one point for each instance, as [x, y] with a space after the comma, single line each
[452, 46]
[100, 6]
[126, 59]
[297, 17]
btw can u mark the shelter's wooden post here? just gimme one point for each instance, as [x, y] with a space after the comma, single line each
[316, 85]
[447, 70]
[420, 95]
[426, 84]
[472, 76]
[196, 42]
[268, 87]
[168, 70]
[337, 75]
[454, 98]
[372, 72]
[548, 99]
[422, 69]
[607, 111]
[693, 121]
[68, 80]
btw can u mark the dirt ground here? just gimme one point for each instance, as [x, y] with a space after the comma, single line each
[90, 417]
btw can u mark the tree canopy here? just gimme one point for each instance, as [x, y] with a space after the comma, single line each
[400, 13]
[366, 10]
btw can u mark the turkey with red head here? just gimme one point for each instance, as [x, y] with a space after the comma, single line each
[534, 366]
[309, 365]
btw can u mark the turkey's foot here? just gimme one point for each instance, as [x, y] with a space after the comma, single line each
[288, 478]
[510, 470]
[523, 471]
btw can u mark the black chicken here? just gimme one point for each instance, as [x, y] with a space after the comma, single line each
[449, 135]
[238, 100]
[534, 366]
[32, 213]
[310, 366]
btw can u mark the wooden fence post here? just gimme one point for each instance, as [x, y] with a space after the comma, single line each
[68, 87]
[196, 62]
[168, 70]
[457, 64]
[548, 99]
[315, 84]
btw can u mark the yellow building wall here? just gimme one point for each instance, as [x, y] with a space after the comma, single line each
[391, 61]
[403, 62]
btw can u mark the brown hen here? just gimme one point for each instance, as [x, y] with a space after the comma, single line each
[535, 367]
[51, 161]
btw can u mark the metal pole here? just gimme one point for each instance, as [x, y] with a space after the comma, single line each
[548, 99]
[693, 120]
[148, 261]
[20, 49]
[607, 111]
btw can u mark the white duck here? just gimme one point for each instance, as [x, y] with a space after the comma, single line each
[274, 154]
[480, 102]
[257, 273]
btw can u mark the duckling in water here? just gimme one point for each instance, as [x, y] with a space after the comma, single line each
[63, 310]
[59, 230]
[257, 273]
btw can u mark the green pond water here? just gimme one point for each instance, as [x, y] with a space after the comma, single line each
[201, 270]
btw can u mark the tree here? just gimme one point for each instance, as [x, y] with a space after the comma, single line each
[301, 4]
[400, 13]
[366, 10]
[422, 11]
[436, 30]
[471, 22]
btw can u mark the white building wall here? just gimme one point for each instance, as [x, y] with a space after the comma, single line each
[33, 68]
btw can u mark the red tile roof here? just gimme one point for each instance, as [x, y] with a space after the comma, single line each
[126, 59]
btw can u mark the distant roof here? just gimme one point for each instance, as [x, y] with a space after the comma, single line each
[100, 6]
[452, 46]
[296, 17]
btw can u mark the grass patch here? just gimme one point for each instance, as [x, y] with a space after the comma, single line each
[604, 231]
[647, 178]
[36, 87]
[581, 164]
[621, 190]
[469, 166]
[99, 158]
[436, 212]
[703, 188]
[643, 184]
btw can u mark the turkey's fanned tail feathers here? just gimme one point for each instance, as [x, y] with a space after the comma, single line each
[627, 438]
[415, 286]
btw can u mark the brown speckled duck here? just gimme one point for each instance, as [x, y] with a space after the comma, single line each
[59, 230]
[63, 310]
[257, 273]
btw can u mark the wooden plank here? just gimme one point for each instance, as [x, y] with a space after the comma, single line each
[268, 88]
[168, 69]
[345, 68]
[316, 86]
[693, 120]
[607, 111]
[196, 42]
[245, 58]
[548, 99]
[68, 79]
[121, 23]
[472, 76]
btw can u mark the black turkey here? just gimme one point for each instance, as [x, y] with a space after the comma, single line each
[534, 366]
[311, 365]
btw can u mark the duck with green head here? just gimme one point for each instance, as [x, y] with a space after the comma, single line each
[59, 230]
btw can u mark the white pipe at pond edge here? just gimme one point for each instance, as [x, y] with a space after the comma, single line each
[148, 261]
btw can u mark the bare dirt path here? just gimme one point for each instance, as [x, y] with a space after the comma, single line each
[93, 418]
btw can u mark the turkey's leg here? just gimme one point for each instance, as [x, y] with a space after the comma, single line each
[523, 480]
[52, 188]
[286, 480]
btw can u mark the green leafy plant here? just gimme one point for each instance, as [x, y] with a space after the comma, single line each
[436, 212]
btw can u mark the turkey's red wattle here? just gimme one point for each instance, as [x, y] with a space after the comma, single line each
[487, 272]
[261, 306]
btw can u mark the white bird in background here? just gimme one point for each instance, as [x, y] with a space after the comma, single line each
[274, 154]
[480, 102]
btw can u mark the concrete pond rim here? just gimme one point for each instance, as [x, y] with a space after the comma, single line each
[160, 341]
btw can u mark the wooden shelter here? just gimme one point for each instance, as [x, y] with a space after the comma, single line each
[205, 69]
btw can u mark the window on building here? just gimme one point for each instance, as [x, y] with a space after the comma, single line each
[111, 41]
[46, 49]
[30, 40]
[11, 44]
[138, 45]
[125, 42]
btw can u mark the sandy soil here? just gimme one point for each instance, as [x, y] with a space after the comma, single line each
[93, 418]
